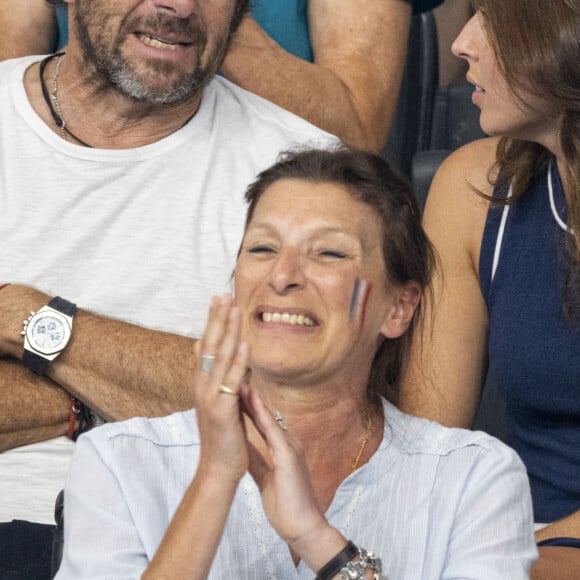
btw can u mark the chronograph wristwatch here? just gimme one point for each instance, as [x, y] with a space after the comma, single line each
[46, 334]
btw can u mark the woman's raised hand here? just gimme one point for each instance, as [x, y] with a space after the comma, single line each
[285, 485]
[226, 454]
[221, 368]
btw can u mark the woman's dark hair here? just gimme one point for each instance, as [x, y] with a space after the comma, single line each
[537, 46]
[407, 253]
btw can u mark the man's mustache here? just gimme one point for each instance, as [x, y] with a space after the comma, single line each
[186, 30]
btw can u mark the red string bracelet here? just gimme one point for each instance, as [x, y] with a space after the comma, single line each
[72, 417]
[4, 285]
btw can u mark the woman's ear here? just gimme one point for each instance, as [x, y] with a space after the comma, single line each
[400, 313]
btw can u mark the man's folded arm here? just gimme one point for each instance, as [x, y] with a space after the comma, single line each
[32, 408]
[118, 369]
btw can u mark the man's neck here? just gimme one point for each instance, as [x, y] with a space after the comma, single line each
[99, 116]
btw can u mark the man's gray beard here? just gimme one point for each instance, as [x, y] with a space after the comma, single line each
[120, 75]
[114, 70]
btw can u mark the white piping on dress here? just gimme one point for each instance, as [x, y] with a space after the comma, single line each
[500, 233]
[553, 205]
[504, 216]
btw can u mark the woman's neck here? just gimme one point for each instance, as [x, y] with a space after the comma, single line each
[336, 432]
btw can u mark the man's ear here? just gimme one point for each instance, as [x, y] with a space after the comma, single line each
[400, 313]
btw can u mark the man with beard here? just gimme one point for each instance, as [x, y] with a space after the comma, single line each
[337, 63]
[123, 164]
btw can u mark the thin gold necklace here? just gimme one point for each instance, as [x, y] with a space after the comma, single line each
[369, 425]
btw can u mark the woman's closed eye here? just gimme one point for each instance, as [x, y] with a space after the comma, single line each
[330, 253]
[260, 249]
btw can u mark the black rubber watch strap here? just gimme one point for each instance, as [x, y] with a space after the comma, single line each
[63, 306]
[337, 563]
[37, 364]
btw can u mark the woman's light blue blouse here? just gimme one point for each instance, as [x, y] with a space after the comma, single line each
[433, 503]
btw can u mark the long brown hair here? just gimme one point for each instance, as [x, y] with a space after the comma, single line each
[537, 46]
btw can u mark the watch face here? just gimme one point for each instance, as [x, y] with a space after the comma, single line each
[48, 333]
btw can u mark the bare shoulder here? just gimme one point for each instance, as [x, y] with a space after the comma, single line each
[455, 209]
[468, 169]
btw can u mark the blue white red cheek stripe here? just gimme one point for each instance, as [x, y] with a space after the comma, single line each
[354, 297]
[359, 301]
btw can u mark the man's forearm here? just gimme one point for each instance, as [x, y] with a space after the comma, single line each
[120, 370]
[32, 409]
[257, 63]
[352, 88]
[28, 27]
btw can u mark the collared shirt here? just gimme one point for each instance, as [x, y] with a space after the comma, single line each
[432, 503]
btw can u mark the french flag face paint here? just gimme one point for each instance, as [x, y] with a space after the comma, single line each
[359, 300]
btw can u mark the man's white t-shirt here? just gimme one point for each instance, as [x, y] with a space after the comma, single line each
[145, 235]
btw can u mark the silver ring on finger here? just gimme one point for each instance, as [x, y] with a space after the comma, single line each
[225, 390]
[207, 361]
[280, 419]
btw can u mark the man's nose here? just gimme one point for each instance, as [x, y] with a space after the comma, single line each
[178, 8]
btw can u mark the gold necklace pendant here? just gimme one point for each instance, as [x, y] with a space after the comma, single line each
[369, 426]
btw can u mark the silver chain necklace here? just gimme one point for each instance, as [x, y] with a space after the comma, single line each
[52, 101]
[54, 97]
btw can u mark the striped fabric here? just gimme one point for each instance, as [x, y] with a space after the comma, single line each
[433, 503]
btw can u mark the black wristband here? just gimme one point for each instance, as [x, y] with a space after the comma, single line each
[335, 565]
[63, 306]
[35, 363]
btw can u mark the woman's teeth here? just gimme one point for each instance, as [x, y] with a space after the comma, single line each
[286, 318]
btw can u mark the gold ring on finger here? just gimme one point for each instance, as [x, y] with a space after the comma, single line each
[225, 390]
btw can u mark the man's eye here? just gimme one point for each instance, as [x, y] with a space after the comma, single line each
[260, 250]
[333, 254]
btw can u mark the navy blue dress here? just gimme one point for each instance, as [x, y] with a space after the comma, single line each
[534, 350]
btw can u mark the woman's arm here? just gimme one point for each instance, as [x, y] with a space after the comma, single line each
[448, 364]
[558, 562]
[100, 510]
[351, 89]
[95, 503]
[188, 548]
[28, 27]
